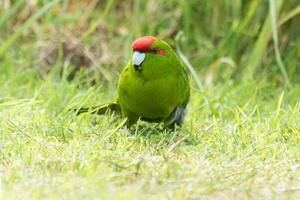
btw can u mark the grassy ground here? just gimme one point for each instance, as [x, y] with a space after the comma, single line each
[240, 139]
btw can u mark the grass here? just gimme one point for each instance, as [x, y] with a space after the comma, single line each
[240, 139]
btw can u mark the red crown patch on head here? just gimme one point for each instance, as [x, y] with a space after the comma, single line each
[143, 44]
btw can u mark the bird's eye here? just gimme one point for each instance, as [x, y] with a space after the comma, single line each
[158, 51]
[154, 51]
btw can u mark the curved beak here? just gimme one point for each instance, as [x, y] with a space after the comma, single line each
[137, 59]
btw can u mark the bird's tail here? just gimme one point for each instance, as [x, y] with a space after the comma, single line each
[100, 110]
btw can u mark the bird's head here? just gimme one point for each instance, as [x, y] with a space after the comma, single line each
[150, 50]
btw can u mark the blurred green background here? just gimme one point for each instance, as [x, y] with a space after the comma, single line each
[222, 40]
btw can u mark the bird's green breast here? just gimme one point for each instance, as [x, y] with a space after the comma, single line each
[152, 93]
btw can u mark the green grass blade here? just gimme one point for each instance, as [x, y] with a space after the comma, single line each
[290, 15]
[8, 42]
[187, 63]
[95, 24]
[279, 105]
[280, 63]
[260, 47]
[10, 13]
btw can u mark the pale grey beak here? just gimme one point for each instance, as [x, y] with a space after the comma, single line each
[138, 58]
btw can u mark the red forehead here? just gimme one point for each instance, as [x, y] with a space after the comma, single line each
[143, 44]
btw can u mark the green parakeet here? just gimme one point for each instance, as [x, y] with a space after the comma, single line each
[153, 86]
